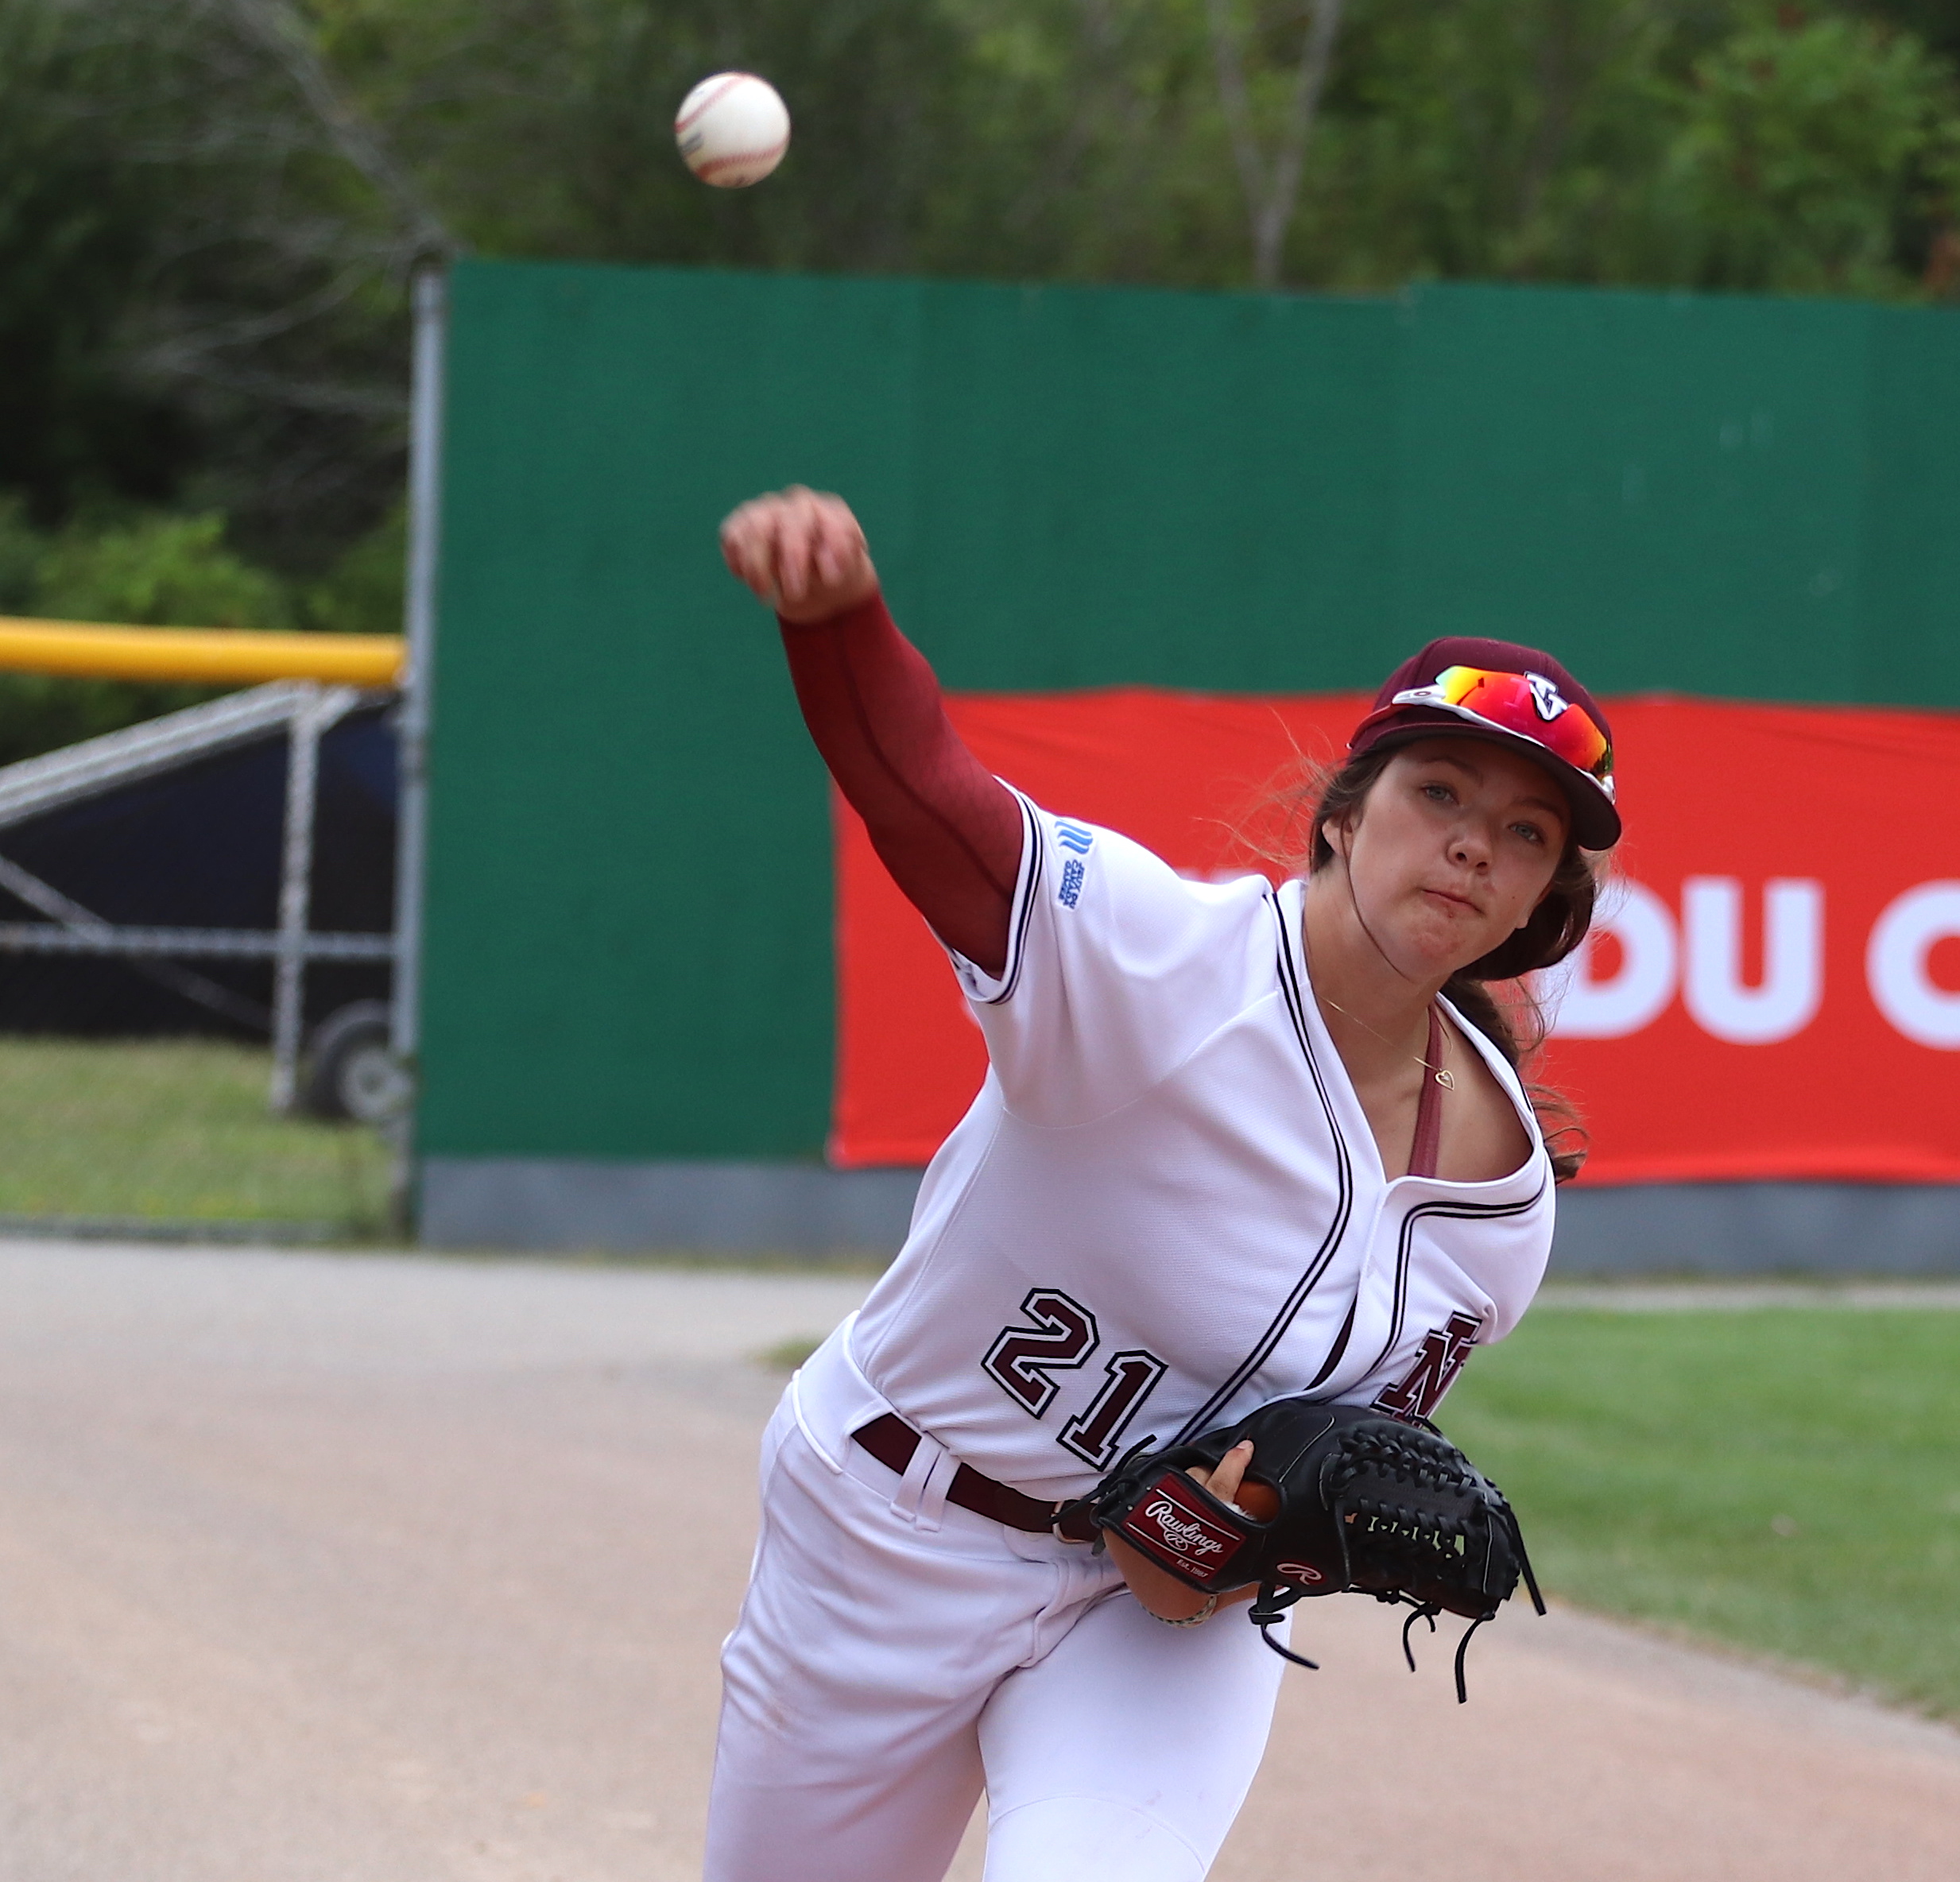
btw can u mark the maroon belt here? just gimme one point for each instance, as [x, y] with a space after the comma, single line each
[892, 1442]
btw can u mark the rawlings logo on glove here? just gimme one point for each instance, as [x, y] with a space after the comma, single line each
[1362, 1503]
[1169, 1526]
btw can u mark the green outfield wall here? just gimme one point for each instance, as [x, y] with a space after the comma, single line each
[628, 952]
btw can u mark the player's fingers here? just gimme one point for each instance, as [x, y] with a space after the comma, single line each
[796, 531]
[1212, 1475]
[739, 556]
[795, 546]
[842, 534]
[837, 540]
[1231, 1471]
[748, 540]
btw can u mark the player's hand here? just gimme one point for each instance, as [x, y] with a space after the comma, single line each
[1226, 1480]
[801, 551]
[1161, 1592]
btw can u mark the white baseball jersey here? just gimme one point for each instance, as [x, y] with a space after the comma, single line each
[1165, 1207]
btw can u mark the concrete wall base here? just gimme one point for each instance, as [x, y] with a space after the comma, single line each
[759, 1208]
[1760, 1228]
[630, 1208]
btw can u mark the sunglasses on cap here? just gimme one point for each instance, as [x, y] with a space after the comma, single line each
[1525, 705]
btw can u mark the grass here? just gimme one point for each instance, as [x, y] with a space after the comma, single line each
[175, 1130]
[1784, 1480]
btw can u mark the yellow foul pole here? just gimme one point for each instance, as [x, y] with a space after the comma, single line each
[203, 655]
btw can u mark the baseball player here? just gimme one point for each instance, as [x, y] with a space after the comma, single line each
[1234, 1142]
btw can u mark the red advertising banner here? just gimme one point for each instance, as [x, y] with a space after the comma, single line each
[1772, 990]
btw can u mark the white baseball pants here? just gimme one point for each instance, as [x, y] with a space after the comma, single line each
[896, 1655]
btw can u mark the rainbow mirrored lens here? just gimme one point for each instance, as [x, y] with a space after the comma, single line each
[1527, 705]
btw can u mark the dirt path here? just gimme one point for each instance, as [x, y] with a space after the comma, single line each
[382, 1570]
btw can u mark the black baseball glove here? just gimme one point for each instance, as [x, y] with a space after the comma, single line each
[1350, 1500]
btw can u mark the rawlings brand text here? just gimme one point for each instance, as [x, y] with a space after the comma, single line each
[1191, 1539]
[1166, 1524]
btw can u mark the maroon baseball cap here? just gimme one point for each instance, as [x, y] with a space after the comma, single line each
[1464, 687]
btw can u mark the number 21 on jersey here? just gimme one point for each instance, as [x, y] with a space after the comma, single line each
[1059, 1337]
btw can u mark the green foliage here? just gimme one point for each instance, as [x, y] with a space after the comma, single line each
[1669, 143]
[158, 571]
[22, 547]
[162, 569]
[361, 594]
[117, 575]
[1804, 151]
[1690, 142]
[200, 300]
[208, 210]
[1787, 1480]
[75, 229]
[1505, 139]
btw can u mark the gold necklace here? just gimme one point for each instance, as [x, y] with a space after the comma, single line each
[1441, 1073]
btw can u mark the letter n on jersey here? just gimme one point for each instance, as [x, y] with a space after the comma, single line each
[1420, 1389]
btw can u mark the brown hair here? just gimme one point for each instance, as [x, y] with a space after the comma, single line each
[1513, 1022]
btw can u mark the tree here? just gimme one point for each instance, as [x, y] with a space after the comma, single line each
[1271, 181]
[211, 294]
[1806, 150]
[208, 208]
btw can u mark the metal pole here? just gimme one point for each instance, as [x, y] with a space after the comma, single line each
[316, 713]
[296, 885]
[411, 722]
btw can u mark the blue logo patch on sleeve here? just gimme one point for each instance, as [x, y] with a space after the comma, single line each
[1074, 836]
[1071, 891]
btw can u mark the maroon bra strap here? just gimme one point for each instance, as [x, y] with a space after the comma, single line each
[1422, 1157]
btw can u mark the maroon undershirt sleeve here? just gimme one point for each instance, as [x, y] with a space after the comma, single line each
[949, 831]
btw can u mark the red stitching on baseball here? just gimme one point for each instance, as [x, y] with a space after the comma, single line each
[734, 157]
[714, 98]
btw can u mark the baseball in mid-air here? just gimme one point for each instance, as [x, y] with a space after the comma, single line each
[732, 129]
